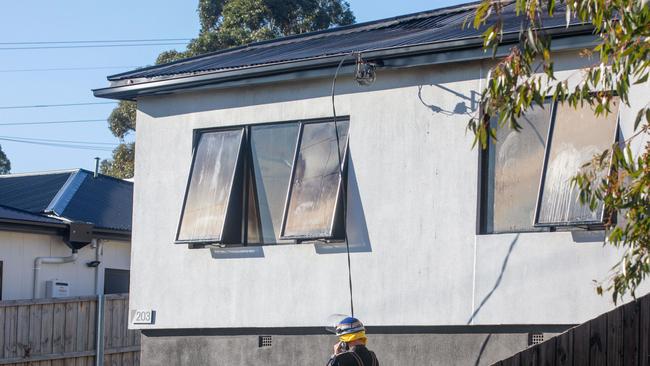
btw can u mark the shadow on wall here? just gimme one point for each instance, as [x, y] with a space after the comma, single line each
[239, 252]
[504, 265]
[482, 350]
[356, 226]
[591, 237]
[460, 108]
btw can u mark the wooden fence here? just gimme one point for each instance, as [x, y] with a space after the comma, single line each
[61, 332]
[619, 337]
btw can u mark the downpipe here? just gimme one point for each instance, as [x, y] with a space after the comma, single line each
[97, 244]
[38, 261]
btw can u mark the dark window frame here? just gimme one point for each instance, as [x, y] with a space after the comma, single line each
[340, 189]
[238, 166]
[116, 270]
[482, 183]
[248, 178]
[1, 277]
[482, 188]
[570, 225]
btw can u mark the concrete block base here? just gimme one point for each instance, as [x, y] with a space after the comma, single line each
[398, 346]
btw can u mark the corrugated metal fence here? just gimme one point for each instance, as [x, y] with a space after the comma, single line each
[620, 337]
[55, 332]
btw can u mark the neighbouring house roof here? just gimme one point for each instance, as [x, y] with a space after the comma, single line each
[10, 214]
[73, 195]
[31, 192]
[394, 36]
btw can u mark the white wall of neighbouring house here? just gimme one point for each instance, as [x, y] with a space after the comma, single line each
[18, 250]
[412, 210]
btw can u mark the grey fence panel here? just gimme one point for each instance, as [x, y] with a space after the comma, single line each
[61, 332]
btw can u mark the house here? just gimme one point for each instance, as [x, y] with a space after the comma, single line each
[258, 166]
[64, 233]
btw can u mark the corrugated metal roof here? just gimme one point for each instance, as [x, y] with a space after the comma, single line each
[428, 27]
[73, 195]
[31, 192]
[105, 201]
[12, 214]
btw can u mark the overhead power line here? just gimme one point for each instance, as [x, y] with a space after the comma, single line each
[69, 68]
[69, 144]
[59, 141]
[97, 41]
[52, 122]
[52, 105]
[92, 46]
[61, 145]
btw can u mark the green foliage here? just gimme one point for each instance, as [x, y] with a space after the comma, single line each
[209, 14]
[238, 22]
[122, 119]
[5, 164]
[229, 23]
[121, 166]
[169, 56]
[515, 84]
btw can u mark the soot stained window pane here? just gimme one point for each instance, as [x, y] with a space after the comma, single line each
[210, 186]
[577, 136]
[272, 151]
[316, 181]
[514, 167]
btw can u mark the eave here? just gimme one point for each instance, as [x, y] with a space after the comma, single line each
[574, 37]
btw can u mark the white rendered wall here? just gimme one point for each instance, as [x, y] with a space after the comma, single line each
[18, 251]
[411, 215]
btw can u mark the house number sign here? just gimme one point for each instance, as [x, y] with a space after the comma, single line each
[143, 316]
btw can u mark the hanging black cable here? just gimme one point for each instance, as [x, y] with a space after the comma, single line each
[343, 186]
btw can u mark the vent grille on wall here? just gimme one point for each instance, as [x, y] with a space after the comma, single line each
[535, 338]
[265, 341]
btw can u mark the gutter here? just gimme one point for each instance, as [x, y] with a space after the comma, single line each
[398, 57]
[59, 229]
[110, 234]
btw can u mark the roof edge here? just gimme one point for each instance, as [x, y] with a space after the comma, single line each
[67, 191]
[175, 83]
[30, 174]
[379, 23]
[56, 222]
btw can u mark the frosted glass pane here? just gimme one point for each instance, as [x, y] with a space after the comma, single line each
[210, 184]
[272, 148]
[315, 185]
[515, 165]
[577, 136]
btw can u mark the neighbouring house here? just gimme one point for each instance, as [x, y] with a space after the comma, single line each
[249, 182]
[64, 233]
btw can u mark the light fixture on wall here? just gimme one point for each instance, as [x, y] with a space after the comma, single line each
[92, 264]
[364, 72]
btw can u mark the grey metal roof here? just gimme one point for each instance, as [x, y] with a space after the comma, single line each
[72, 195]
[16, 215]
[429, 27]
[31, 192]
[105, 201]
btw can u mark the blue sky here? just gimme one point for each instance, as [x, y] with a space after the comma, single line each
[81, 20]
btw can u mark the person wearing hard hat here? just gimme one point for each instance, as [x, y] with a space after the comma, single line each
[351, 349]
